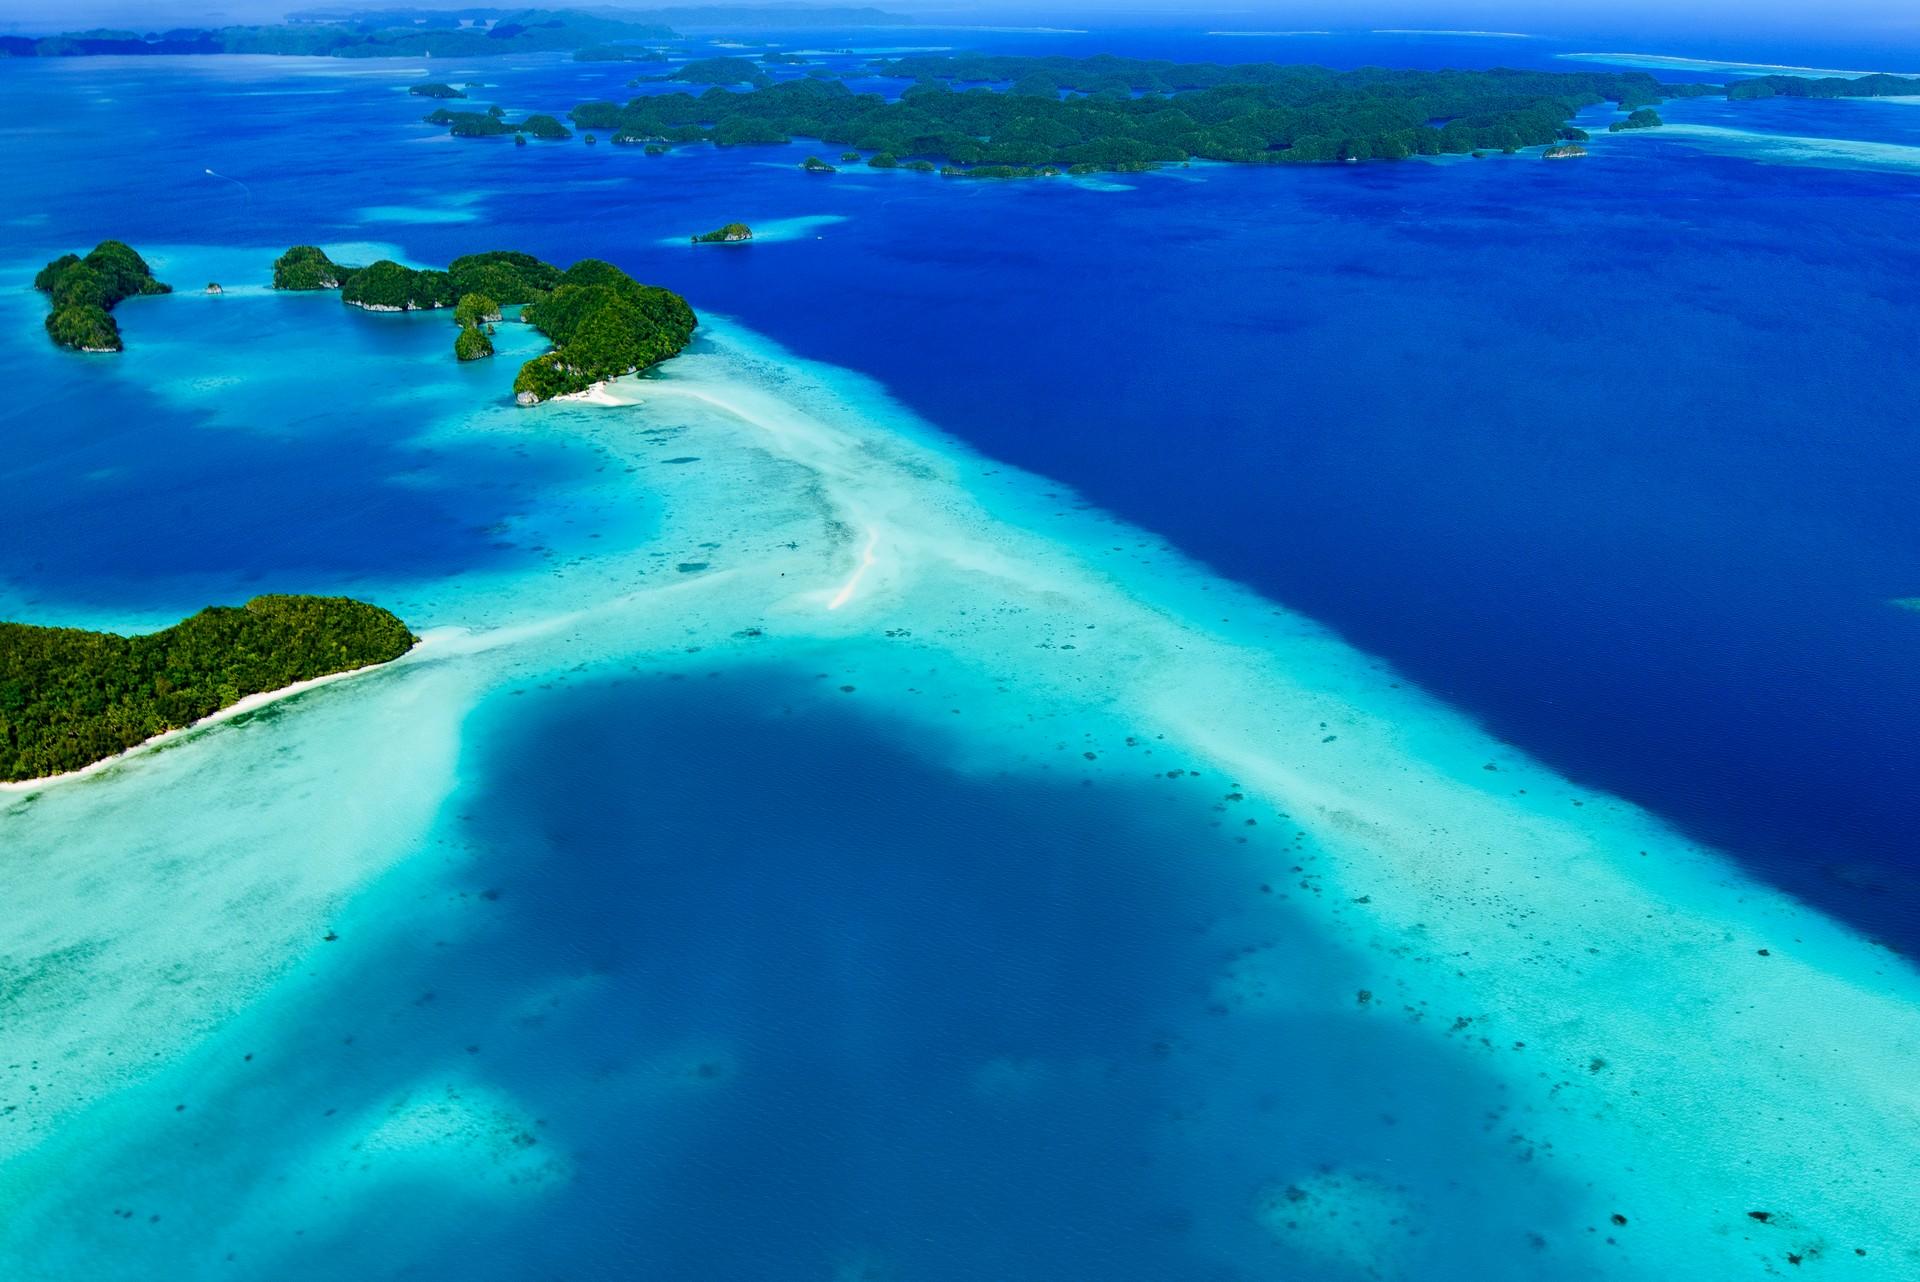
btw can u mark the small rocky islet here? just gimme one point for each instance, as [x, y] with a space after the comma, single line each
[726, 234]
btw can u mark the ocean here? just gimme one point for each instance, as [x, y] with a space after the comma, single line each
[684, 929]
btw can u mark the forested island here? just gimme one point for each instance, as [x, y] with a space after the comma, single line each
[385, 286]
[1007, 114]
[493, 122]
[618, 53]
[306, 267]
[476, 315]
[1639, 118]
[1878, 85]
[728, 234]
[69, 698]
[720, 71]
[83, 292]
[601, 321]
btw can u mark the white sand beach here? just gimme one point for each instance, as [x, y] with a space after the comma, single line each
[239, 708]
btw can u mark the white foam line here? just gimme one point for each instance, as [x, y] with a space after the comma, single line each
[1714, 64]
[846, 591]
[1441, 31]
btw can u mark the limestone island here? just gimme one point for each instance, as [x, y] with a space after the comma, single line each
[1642, 118]
[1018, 116]
[601, 321]
[82, 291]
[387, 286]
[70, 698]
[731, 234]
[306, 267]
[493, 122]
[476, 315]
[1564, 151]
[472, 344]
[435, 90]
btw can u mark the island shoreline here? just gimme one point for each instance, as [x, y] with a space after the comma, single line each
[248, 703]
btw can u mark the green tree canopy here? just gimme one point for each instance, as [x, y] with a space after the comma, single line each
[474, 308]
[472, 344]
[69, 697]
[387, 286]
[82, 291]
[307, 267]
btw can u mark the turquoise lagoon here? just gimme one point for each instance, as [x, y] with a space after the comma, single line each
[809, 846]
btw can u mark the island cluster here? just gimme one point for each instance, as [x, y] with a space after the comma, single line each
[602, 322]
[70, 698]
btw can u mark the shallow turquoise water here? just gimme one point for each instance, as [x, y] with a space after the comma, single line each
[193, 471]
[676, 931]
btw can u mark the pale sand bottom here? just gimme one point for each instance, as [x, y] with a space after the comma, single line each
[1607, 972]
[1669, 62]
[1793, 149]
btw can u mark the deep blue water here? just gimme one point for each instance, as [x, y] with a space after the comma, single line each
[1613, 455]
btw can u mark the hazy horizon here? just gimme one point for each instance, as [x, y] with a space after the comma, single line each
[1840, 23]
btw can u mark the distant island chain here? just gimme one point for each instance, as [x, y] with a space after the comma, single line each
[1004, 116]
